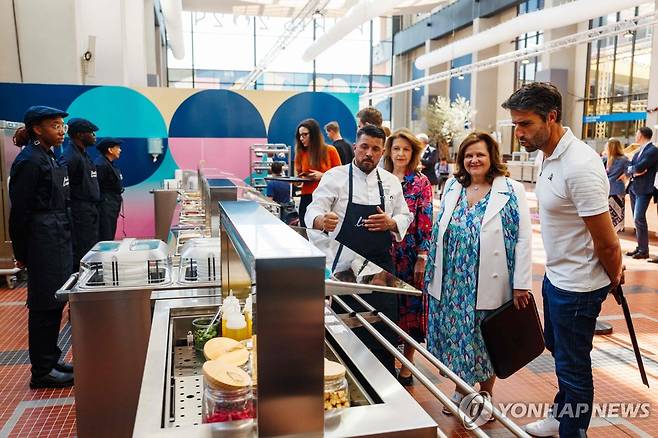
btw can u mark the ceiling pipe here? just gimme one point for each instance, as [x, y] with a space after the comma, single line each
[360, 13]
[606, 31]
[545, 19]
[173, 17]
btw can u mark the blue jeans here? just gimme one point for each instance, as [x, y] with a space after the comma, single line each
[639, 205]
[569, 320]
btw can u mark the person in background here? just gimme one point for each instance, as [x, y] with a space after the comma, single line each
[428, 161]
[312, 158]
[279, 191]
[401, 158]
[40, 233]
[369, 116]
[655, 200]
[362, 207]
[344, 148]
[110, 183]
[480, 258]
[642, 172]
[85, 193]
[615, 166]
[442, 173]
[583, 256]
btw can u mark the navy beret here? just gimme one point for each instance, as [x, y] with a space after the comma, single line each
[77, 125]
[107, 143]
[37, 113]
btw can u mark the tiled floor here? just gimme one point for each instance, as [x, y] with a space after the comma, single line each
[26, 412]
[51, 413]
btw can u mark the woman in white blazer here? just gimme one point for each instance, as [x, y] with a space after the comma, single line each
[479, 259]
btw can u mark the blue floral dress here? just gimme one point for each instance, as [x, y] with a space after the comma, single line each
[453, 333]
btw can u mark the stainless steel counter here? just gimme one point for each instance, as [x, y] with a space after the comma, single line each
[170, 399]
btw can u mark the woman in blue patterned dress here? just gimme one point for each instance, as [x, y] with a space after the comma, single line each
[401, 157]
[480, 258]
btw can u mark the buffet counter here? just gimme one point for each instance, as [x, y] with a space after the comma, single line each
[171, 394]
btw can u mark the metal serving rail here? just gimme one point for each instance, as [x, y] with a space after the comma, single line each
[481, 406]
[363, 277]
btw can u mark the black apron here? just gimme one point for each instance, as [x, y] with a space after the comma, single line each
[84, 211]
[49, 252]
[110, 205]
[376, 247]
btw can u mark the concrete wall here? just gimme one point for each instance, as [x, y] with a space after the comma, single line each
[53, 35]
[48, 41]
[574, 60]
[9, 67]
[484, 97]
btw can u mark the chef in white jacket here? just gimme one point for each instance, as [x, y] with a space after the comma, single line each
[363, 208]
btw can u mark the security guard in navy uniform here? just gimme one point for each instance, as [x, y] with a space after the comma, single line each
[110, 182]
[85, 193]
[41, 237]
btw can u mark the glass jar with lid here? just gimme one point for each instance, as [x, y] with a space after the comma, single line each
[336, 391]
[227, 393]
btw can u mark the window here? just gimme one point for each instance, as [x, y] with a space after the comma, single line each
[617, 83]
[222, 49]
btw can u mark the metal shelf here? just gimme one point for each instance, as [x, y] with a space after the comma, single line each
[261, 167]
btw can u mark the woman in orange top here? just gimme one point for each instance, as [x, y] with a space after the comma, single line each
[312, 159]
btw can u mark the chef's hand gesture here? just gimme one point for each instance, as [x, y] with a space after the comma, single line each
[380, 222]
[326, 222]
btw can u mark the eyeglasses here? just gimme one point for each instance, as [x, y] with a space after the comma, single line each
[60, 127]
[303, 134]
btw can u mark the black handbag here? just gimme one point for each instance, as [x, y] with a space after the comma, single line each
[513, 337]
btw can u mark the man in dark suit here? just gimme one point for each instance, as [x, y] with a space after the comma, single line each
[428, 161]
[655, 200]
[642, 171]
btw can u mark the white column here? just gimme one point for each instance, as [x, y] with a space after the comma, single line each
[484, 98]
[652, 104]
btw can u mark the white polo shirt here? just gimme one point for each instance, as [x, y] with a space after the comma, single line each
[572, 184]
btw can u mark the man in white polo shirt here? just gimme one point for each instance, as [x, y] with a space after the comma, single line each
[583, 256]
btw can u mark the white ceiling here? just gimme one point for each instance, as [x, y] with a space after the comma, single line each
[289, 8]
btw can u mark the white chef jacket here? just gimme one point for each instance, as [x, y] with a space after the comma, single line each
[333, 192]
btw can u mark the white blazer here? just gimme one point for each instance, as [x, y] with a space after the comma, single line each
[493, 276]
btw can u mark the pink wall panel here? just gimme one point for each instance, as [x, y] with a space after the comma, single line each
[225, 154]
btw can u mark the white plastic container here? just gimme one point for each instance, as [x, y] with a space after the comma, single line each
[200, 261]
[130, 262]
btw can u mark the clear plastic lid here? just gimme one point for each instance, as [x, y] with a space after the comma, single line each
[200, 260]
[106, 246]
[130, 262]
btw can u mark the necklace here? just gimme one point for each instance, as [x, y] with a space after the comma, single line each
[476, 188]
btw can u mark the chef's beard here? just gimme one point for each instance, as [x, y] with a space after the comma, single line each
[365, 165]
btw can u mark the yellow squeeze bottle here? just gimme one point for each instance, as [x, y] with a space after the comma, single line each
[230, 306]
[236, 327]
[247, 315]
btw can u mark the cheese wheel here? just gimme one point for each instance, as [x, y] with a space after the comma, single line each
[227, 377]
[216, 347]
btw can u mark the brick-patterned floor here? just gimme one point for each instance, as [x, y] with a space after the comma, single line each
[26, 412]
[51, 413]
